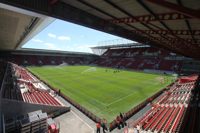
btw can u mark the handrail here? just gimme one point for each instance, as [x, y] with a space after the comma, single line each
[4, 77]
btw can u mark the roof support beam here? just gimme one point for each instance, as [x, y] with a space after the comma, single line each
[130, 15]
[183, 41]
[113, 17]
[133, 27]
[149, 18]
[175, 40]
[187, 22]
[152, 13]
[183, 10]
[127, 13]
[177, 32]
[27, 30]
[146, 24]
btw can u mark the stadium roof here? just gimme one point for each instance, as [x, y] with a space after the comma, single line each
[18, 26]
[25, 51]
[128, 45]
[171, 24]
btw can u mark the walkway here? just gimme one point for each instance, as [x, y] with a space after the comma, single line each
[77, 122]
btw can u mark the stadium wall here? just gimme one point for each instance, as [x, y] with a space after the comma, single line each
[12, 108]
[158, 71]
[38, 58]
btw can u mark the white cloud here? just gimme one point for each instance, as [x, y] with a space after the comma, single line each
[51, 46]
[51, 35]
[63, 38]
[37, 40]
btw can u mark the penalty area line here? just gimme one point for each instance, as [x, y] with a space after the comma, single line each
[119, 99]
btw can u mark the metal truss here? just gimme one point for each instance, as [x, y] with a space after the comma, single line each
[149, 18]
[177, 32]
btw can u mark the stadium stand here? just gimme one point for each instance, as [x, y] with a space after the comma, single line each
[141, 59]
[9, 87]
[46, 57]
[192, 114]
[26, 87]
[168, 110]
[20, 88]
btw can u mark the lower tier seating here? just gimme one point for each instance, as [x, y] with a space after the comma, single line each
[19, 84]
[40, 98]
[168, 111]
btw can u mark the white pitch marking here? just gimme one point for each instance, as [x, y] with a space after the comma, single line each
[82, 120]
[119, 99]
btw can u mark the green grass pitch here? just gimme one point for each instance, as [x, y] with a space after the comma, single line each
[101, 90]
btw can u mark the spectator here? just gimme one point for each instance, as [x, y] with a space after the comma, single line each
[122, 119]
[98, 125]
[122, 116]
[104, 125]
[117, 120]
[59, 92]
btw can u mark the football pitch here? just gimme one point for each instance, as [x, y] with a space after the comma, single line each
[104, 91]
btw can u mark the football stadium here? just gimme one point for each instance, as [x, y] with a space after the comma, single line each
[149, 84]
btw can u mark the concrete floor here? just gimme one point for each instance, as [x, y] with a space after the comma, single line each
[76, 122]
[72, 123]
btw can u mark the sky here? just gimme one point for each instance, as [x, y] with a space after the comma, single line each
[65, 36]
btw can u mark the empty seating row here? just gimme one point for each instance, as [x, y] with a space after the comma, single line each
[134, 52]
[44, 59]
[163, 119]
[192, 117]
[138, 63]
[168, 110]
[176, 94]
[40, 98]
[10, 90]
[19, 84]
[22, 73]
[30, 93]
